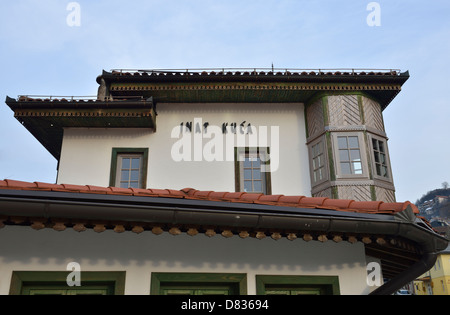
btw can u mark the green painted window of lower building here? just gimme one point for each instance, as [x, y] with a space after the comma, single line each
[198, 284]
[297, 285]
[50, 290]
[54, 283]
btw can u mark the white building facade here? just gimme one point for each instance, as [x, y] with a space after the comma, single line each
[211, 183]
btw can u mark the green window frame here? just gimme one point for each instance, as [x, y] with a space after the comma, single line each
[198, 284]
[297, 285]
[248, 166]
[116, 166]
[54, 283]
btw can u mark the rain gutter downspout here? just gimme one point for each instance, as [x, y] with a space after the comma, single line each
[422, 266]
[430, 246]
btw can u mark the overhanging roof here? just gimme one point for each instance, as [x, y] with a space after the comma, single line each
[390, 231]
[46, 118]
[253, 86]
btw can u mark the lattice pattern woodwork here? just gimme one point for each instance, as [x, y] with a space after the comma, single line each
[344, 110]
[372, 114]
[358, 193]
[384, 194]
[315, 118]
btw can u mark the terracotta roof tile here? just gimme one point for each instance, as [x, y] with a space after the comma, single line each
[394, 207]
[75, 188]
[202, 194]
[337, 203]
[160, 192]
[19, 184]
[120, 191]
[49, 187]
[270, 198]
[176, 193]
[217, 195]
[366, 205]
[312, 201]
[290, 199]
[98, 190]
[188, 190]
[233, 195]
[251, 197]
[377, 207]
[142, 192]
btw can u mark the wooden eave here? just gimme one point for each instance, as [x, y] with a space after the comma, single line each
[46, 119]
[262, 88]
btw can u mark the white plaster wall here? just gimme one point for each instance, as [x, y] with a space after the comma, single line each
[24, 249]
[86, 153]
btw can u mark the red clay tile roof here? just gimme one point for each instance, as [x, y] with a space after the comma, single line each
[372, 207]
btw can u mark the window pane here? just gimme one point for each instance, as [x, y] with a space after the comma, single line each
[314, 150]
[357, 167]
[318, 175]
[319, 148]
[384, 171]
[353, 142]
[343, 155]
[248, 174]
[378, 169]
[377, 157]
[355, 155]
[125, 176]
[248, 186]
[375, 144]
[134, 175]
[124, 185]
[136, 163]
[256, 173]
[381, 144]
[319, 161]
[342, 142]
[126, 163]
[345, 168]
[257, 163]
[134, 185]
[257, 186]
[247, 163]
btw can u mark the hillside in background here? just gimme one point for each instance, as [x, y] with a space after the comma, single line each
[435, 206]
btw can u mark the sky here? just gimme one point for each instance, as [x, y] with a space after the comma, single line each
[43, 51]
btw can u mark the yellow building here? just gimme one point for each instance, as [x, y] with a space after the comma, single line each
[437, 280]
